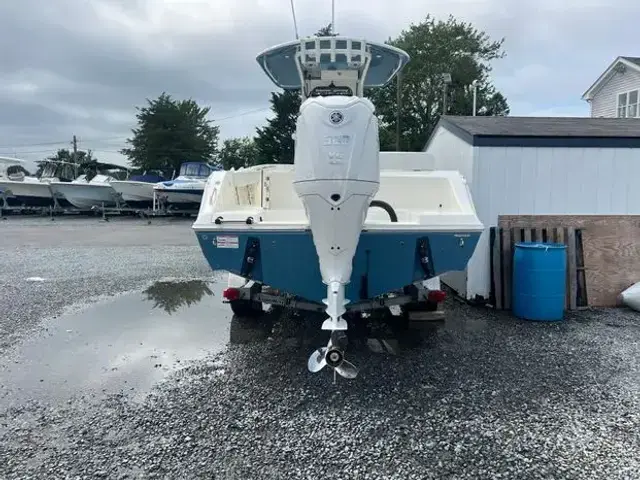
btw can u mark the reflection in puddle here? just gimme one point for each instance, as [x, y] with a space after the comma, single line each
[129, 343]
[123, 345]
[172, 295]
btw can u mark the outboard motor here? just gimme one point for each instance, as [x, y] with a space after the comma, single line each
[337, 170]
[337, 174]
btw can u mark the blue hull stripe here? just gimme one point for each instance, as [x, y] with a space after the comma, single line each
[288, 260]
[190, 191]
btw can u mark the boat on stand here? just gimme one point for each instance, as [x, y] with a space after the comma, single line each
[334, 232]
[137, 192]
[89, 194]
[29, 192]
[183, 193]
[6, 164]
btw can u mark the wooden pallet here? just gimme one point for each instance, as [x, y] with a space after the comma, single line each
[502, 244]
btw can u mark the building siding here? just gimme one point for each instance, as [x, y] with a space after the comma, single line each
[534, 181]
[450, 152]
[604, 102]
[548, 181]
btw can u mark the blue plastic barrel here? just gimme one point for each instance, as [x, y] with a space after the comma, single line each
[539, 281]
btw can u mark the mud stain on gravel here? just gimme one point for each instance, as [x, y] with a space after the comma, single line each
[122, 345]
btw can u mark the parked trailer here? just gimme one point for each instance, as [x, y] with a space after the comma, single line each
[422, 301]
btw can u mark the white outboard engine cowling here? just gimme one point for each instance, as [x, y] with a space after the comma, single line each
[336, 164]
[337, 174]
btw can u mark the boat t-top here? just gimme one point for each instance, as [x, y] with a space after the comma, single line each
[332, 231]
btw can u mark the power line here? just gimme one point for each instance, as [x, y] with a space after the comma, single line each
[112, 139]
[30, 152]
[263, 109]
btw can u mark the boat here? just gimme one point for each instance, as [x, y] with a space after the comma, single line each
[185, 191]
[137, 192]
[5, 164]
[26, 191]
[86, 194]
[335, 233]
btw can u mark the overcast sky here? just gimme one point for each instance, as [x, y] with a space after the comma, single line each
[81, 66]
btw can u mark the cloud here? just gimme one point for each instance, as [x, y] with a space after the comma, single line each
[81, 66]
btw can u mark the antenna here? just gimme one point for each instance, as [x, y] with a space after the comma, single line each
[333, 17]
[295, 22]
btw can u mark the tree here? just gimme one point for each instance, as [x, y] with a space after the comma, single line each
[274, 142]
[238, 152]
[170, 296]
[169, 133]
[437, 47]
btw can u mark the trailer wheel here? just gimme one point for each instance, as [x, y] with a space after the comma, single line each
[423, 306]
[246, 308]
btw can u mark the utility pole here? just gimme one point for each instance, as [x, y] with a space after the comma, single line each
[75, 148]
[446, 77]
[474, 84]
[398, 108]
[74, 157]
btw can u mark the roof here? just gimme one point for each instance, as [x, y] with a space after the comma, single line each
[635, 60]
[632, 62]
[543, 131]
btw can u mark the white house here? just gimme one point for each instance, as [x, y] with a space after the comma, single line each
[537, 166]
[616, 93]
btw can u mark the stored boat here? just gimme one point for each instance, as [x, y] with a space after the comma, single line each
[95, 193]
[137, 192]
[185, 191]
[333, 231]
[25, 191]
[5, 164]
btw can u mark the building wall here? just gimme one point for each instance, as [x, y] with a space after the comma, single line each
[544, 181]
[449, 152]
[604, 102]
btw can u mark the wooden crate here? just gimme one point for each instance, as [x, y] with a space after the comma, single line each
[611, 245]
[502, 244]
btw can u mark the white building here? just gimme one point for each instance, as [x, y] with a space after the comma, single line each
[537, 166]
[616, 93]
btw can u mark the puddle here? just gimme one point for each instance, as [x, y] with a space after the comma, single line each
[127, 344]
[123, 345]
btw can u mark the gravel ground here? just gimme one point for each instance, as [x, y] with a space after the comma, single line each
[83, 259]
[485, 396]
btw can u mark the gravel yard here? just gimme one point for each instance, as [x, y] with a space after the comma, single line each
[484, 396]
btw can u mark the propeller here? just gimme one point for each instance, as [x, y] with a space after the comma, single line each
[332, 355]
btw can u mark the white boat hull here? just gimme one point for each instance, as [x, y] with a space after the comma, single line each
[85, 196]
[134, 194]
[431, 216]
[27, 193]
[181, 199]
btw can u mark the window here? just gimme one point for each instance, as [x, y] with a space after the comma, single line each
[632, 104]
[622, 105]
[628, 104]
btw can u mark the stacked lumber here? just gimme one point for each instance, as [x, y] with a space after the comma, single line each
[603, 254]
